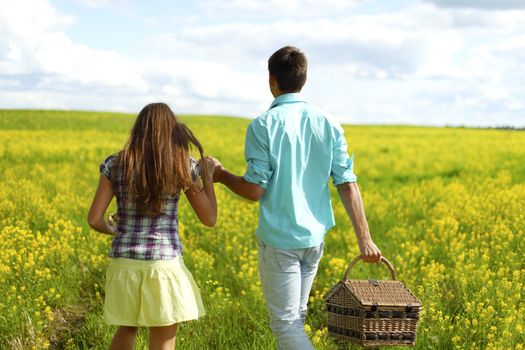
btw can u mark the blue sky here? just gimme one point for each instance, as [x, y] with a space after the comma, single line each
[426, 62]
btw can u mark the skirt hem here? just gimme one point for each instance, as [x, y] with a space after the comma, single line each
[130, 324]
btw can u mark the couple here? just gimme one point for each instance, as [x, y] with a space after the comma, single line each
[291, 151]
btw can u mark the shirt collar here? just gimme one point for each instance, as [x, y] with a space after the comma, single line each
[287, 98]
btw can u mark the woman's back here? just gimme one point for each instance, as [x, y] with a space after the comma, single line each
[139, 235]
[147, 282]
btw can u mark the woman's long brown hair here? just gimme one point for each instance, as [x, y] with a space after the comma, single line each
[155, 161]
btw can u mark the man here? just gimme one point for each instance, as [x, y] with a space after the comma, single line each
[291, 151]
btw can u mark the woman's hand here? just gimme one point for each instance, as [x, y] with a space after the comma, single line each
[217, 170]
[213, 168]
[203, 202]
[112, 222]
[208, 167]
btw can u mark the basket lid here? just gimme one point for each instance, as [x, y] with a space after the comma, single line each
[373, 292]
[333, 290]
[383, 293]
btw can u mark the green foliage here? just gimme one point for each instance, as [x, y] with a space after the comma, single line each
[445, 205]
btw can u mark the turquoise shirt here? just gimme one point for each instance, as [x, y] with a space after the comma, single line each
[291, 151]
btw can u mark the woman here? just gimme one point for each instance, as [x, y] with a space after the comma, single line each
[147, 283]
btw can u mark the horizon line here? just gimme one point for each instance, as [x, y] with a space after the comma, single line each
[458, 126]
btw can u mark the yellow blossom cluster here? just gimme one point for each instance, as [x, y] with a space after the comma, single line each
[446, 206]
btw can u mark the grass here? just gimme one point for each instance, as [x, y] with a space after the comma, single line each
[445, 205]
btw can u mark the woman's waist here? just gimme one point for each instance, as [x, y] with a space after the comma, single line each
[126, 262]
[146, 251]
[147, 237]
[142, 228]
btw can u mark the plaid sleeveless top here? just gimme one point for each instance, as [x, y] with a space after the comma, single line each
[139, 236]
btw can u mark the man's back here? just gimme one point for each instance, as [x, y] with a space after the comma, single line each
[292, 150]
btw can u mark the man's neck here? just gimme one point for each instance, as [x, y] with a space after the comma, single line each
[279, 93]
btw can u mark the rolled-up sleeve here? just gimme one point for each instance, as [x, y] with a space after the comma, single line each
[342, 164]
[257, 154]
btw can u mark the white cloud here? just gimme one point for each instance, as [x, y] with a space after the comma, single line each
[32, 42]
[423, 41]
[274, 9]
[206, 80]
[376, 48]
[420, 64]
[484, 4]
[97, 3]
[48, 70]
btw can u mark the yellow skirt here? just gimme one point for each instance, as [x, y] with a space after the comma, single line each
[150, 293]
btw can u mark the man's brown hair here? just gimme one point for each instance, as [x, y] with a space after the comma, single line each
[155, 162]
[288, 65]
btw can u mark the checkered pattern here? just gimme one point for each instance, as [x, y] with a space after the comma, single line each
[143, 237]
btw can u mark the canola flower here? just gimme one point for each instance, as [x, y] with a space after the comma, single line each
[446, 206]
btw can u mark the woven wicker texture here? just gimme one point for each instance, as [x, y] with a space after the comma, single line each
[385, 293]
[372, 313]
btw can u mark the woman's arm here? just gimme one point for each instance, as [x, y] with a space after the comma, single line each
[98, 208]
[203, 200]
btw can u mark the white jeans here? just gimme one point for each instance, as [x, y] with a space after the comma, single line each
[286, 277]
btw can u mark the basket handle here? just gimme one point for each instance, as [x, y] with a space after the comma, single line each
[383, 260]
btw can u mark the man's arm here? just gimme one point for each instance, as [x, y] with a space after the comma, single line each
[237, 184]
[258, 172]
[353, 203]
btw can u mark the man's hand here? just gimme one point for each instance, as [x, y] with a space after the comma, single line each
[369, 251]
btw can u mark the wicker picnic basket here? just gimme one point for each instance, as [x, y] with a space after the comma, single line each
[372, 312]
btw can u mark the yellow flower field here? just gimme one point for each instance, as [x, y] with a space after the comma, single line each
[445, 205]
